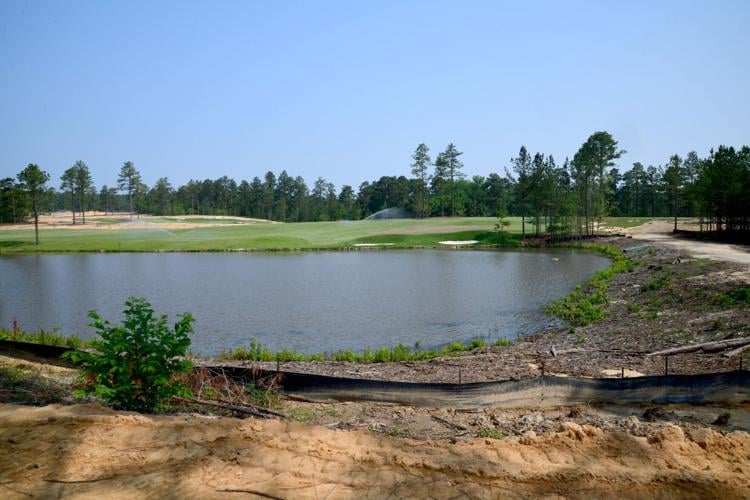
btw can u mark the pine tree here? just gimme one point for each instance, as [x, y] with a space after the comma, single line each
[419, 170]
[33, 181]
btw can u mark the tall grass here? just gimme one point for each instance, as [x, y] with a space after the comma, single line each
[44, 337]
[256, 351]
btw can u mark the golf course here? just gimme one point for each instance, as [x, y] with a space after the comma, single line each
[121, 233]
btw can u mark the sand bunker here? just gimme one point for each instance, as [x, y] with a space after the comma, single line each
[91, 451]
[458, 243]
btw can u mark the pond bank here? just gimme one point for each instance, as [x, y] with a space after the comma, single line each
[667, 299]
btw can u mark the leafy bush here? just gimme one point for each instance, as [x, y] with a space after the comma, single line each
[138, 360]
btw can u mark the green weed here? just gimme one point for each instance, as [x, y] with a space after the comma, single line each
[489, 432]
[737, 296]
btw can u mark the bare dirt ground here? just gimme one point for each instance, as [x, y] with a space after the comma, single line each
[90, 451]
[661, 232]
[98, 220]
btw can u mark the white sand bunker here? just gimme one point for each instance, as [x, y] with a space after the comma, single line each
[372, 244]
[456, 243]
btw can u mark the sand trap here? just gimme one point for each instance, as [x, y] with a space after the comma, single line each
[365, 245]
[457, 243]
[94, 452]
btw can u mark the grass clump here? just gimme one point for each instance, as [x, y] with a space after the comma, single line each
[258, 352]
[490, 433]
[656, 283]
[43, 337]
[589, 303]
[734, 297]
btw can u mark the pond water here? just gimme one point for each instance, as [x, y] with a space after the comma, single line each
[311, 302]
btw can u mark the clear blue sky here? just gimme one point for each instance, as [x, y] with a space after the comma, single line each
[346, 90]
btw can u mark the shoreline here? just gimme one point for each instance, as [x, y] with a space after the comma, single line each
[635, 322]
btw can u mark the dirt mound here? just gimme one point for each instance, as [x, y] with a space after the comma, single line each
[90, 451]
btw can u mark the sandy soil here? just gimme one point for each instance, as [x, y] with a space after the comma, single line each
[90, 451]
[661, 232]
[97, 220]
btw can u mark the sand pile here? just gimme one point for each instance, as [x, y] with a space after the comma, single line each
[90, 451]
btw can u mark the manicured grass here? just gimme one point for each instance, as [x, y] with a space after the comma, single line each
[264, 236]
[323, 235]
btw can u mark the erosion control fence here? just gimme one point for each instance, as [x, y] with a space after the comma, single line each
[710, 388]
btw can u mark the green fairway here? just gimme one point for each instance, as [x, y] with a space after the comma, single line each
[265, 236]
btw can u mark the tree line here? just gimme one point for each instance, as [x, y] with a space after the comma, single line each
[567, 198]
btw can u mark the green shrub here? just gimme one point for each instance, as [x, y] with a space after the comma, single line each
[737, 296]
[138, 359]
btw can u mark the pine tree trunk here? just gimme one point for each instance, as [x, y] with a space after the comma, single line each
[36, 222]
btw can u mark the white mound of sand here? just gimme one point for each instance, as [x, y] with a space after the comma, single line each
[459, 242]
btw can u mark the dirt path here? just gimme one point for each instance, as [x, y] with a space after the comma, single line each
[661, 232]
[90, 451]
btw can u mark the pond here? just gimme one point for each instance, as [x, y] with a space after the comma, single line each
[311, 302]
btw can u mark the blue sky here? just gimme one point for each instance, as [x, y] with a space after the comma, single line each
[346, 90]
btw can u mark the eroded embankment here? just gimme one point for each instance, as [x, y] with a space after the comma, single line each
[87, 450]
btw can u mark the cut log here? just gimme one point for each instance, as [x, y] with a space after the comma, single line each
[737, 351]
[714, 346]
